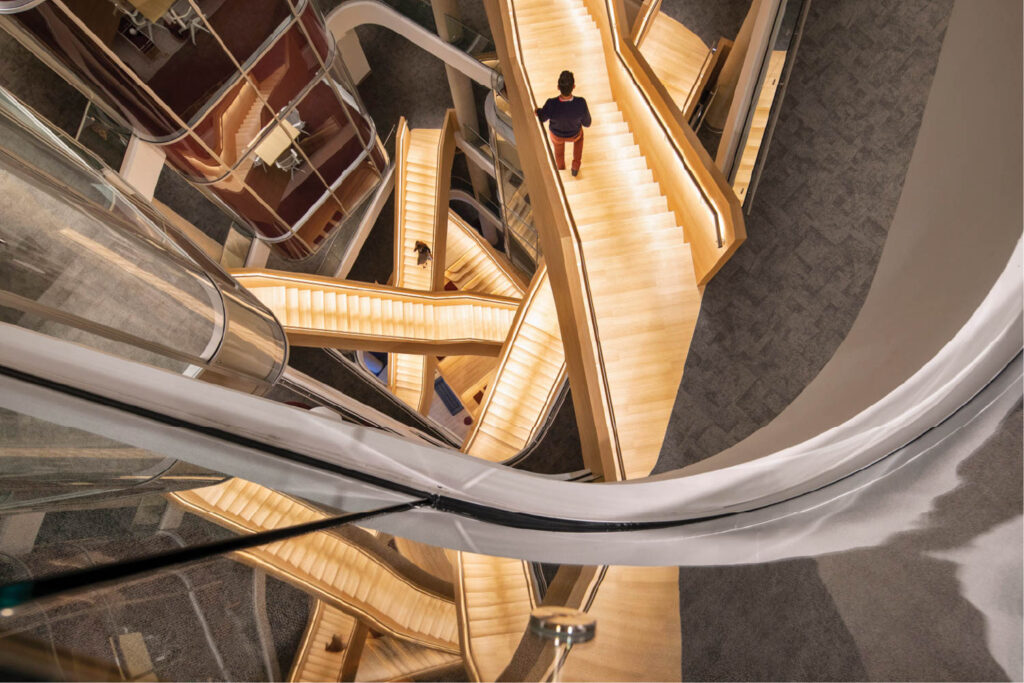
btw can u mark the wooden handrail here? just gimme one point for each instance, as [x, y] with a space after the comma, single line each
[563, 248]
[648, 10]
[697, 191]
[445, 158]
[401, 154]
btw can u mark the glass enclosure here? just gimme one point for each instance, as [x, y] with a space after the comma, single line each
[138, 584]
[247, 99]
[82, 261]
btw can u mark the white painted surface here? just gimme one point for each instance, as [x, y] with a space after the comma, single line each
[142, 165]
[359, 12]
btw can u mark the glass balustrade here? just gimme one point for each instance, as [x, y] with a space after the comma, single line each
[83, 261]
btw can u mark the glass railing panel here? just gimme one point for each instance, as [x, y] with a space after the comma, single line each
[469, 40]
[84, 261]
[865, 579]
[103, 136]
[48, 464]
[765, 106]
[25, 138]
[65, 256]
[209, 620]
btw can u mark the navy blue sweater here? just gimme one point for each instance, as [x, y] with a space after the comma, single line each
[566, 116]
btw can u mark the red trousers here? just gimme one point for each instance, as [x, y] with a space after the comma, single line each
[577, 150]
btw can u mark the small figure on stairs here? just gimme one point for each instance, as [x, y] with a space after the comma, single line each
[569, 116]
[423, 255]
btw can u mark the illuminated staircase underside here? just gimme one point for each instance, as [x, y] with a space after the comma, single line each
[472, 265]
[642, 287]
[317, 311]
[356, 578]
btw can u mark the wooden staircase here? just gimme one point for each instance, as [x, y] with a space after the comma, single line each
[642, 291]
[679, 58]
[324, 312]
[362, 656]
[316, 660]
[362, 579]
[473, 265]
[759, 123]
[494, 598]
[421, 217]
[530, 373]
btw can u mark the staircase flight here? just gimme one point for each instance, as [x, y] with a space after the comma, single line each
[630, 243]
[643, 292]
[361, 577]
[421, 221]
[324, 312]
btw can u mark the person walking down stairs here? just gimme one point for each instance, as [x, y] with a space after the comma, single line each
[568, 117]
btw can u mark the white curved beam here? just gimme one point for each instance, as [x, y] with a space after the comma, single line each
[990, 339]
[353, 13]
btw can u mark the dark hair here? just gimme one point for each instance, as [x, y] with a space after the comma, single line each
[566, 82]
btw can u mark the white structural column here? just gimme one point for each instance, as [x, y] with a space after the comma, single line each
[142, 165]
[461, 89]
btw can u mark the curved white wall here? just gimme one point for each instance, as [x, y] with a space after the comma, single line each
[957, 222]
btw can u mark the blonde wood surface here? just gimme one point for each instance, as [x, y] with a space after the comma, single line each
[473, 265]
[678, 56]
[312, 660]
[697, 191]
[429, 558]
[530, 373]
[421, 215]
[639, 632]
[330, 566]
[391, 659]
[638, 627]
[557, 238]
[758, 123]
[494, 597]
[468, 377]
[325, 312]
[641, 294]
[649, 9]
[382, 658]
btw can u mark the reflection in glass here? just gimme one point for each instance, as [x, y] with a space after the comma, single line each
[42, 462]
[68, 258]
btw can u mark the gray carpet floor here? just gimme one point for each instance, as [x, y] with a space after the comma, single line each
[709, 20]
[775, 313]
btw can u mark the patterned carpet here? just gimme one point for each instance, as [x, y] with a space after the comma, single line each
[777, 311]
[709, 20]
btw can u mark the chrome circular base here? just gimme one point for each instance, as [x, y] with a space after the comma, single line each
[563, 624]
